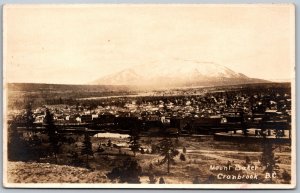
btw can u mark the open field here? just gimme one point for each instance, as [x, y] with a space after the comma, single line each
[202, 153]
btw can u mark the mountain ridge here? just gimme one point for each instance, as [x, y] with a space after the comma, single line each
[175, 73]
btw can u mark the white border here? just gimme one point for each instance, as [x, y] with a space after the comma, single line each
[149, 186]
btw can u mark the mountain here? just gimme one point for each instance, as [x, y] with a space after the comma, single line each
[175, 73]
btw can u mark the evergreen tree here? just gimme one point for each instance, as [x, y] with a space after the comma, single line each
[109, 143]
[87, 148]
[29, 116]
[169, 151]
[268, 160]
[134, 138]
[52, 134]
[243, 124]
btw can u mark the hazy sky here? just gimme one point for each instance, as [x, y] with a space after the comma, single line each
[78, 44]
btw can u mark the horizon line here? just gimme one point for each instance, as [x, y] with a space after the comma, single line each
[75, 84]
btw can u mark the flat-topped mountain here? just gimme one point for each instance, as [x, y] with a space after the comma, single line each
[176, 73]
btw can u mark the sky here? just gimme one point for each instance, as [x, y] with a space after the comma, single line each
[77, 44]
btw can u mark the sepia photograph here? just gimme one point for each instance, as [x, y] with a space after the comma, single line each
[193, 96]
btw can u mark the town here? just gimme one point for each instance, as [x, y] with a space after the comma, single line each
[184, 114]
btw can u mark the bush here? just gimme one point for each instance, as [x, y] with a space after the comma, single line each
[196, 180]
[286, 176]
[182, 157]
[247, 159]
[154, 149]
[161, 180]
[128, 172]
[100, 149]
[210, 180]
[19, 149]
[109, 144]
[75, 159]
[152, 179]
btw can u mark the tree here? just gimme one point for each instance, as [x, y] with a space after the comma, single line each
[184, 150]
[87, 148]
[268, 160]
[29, 116]
[243, 124]
[134, 144]
[52, 134]
[129, 171]
[279, 136]
[168, 150]
[109, 143]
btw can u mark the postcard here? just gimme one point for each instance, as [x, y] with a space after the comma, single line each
[193, 96]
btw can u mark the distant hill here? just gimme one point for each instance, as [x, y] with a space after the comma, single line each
[41, 87]
[176, 73]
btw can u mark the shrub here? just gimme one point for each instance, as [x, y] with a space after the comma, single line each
[196, 180]
[182, 157]
[286, 176]
[161, 180]
[128, 172]
[152, 179]
[247, 159]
